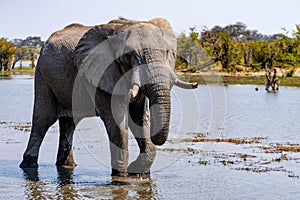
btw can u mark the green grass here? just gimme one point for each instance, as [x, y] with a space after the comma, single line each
[231, 79]
[17, 71]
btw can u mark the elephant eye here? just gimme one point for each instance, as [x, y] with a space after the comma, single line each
[127, 57]
[124, 59]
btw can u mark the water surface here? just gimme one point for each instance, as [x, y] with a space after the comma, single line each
[182, 169]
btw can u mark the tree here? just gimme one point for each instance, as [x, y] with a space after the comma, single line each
[7, 50]
[27, 49]
[247, 50]
[261, 54]
[288, 51]
[32, 55]
[21, 54]
[234, 46]
[17, 57]
[32, 41]
[236, 30]
[222, 47]
[190, 51]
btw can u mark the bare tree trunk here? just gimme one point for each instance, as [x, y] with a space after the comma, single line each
[32, 64]
[8, 66]
[13, 65]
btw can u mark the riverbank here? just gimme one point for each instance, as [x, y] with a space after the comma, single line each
[228, 79]
[18, 71]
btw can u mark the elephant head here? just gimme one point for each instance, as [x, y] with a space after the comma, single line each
[133, 58]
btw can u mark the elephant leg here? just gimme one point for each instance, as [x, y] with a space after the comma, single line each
[115, 121]
[38, 131]
[44, 115]
[139, 124]
[65, 151]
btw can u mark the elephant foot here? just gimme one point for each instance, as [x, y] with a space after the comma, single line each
[117, 173]
[29, 162]
[143, 175]
[140, 168]
[66, 164]
[65, 161]
[31, 174]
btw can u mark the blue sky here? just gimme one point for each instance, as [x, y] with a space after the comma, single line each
[22, 18]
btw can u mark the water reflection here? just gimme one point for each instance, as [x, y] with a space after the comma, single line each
[34, 189]
[65, 184]
[149, 191]
[64, 176]
[31, 174]
[67, 187]
[134, 188]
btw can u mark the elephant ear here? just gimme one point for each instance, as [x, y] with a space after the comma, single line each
[95, 59]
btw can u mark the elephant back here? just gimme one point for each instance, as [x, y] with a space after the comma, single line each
[55, 60]
[61, 45]
[67, 37]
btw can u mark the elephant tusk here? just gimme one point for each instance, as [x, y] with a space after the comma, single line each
[133, 92]
[184, 84]
[135, 80]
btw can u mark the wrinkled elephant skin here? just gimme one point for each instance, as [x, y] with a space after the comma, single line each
[122, 72]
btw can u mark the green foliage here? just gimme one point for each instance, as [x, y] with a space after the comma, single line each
[287, 52]
[235, 47]
[18, 50]
[190, 52]
[290, 73]
[226, 50]
[261, 54]
[7, 50]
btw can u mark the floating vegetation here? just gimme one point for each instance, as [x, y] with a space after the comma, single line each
[279, 148]
[250, 154]
[203, 162]
[183, 150]
[249, 162]
[261, 169]
[4, 122]
[252, 140]
[25, 127]
[12, 142]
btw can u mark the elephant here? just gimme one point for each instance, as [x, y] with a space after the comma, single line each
[122, 72]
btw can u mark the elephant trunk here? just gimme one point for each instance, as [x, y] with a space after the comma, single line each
[160, 105]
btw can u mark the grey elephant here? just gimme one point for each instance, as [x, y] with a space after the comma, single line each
[122, 72]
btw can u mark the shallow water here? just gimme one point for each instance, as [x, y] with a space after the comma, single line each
[183, 168]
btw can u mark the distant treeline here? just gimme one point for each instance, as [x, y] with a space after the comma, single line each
[18, 50]
[236, 48]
